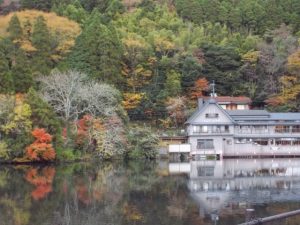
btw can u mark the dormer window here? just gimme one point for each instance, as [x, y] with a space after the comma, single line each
[211, 115]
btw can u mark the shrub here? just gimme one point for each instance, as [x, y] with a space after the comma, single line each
[143, 143]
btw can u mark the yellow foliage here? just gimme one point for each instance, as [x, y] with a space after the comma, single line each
[136, 77]
[294, 62]
[251, 56]
[163, 45]
[133, 43]
[290, 91]
[19, 117]
[132, 100]
[132, 213]
[3, 152]
[62, 28]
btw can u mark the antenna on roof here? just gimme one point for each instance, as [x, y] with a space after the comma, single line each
[213, 93]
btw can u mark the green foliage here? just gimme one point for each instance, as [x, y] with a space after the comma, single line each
[97, 51]
[14, 28]
[15, 71]
[73, 11]
[42, 115]
[6, 80]
[4, 151]
[143, 143]
[173, 85]
[222, 65]
[66, 155]
[245, 16]
[37, 4]
[44, 43]
[153, 53]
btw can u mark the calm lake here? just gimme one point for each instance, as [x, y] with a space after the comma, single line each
[152, 193]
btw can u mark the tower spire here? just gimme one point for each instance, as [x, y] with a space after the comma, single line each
[213, 93]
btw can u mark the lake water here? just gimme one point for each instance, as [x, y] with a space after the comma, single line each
[152, 193]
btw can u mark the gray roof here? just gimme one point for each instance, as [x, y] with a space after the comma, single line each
[285, 116]
[198, 111]
[248, 112]
[250, 116]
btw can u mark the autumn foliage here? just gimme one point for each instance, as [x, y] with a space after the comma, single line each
[64, 29]
[41, 149]
[41, 180]
[132, 100]
[200, 86]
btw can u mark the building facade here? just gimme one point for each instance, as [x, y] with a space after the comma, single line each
[213, 130]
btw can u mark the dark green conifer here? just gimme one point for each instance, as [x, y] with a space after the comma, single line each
[14, 28]
[98, 51]
[6, 80]
[43, 42]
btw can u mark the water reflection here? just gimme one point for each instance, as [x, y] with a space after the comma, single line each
[228, 187]
[197, 192]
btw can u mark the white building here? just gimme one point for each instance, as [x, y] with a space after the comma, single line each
[213, 130]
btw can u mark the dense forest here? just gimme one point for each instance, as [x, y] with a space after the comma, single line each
[75, 74]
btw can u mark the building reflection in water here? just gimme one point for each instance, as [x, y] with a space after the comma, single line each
[232, 185]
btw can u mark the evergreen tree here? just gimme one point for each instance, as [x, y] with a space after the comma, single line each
[6, 81]
[14, 28]
[44, 5]
[15, 70]
[43, 115]
[98, 51]
[173, 85]
[43, 42]
[222, 65]
[22, 75]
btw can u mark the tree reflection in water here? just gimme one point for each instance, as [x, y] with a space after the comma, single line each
[146, 192]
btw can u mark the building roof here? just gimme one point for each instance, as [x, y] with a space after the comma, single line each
[250, 116]
[229, 99]
[199, 111]
[248, 112]
[285, 116]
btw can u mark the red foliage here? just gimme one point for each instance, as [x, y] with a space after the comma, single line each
[83, 126]
[200, 86]
[42, 182]
[41, 149]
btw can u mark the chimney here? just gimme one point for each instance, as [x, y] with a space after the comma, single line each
[200, 103]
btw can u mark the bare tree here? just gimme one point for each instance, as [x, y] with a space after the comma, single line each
[71, 95]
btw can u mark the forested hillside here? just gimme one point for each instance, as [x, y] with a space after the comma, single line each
[156, 58]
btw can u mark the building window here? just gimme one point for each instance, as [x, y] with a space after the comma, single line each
[261, 141]
[200, 129]
[258, 129]
[241, 107]
[282, 129]
[229, 142]
[296, 129]
[205, 144]
[211, 115]
[206, 171]
[226, 129]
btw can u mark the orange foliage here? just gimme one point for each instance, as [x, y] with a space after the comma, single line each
[41, 149]
[41, 192]
[41, 136]
[42, 182]
[200, 86]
